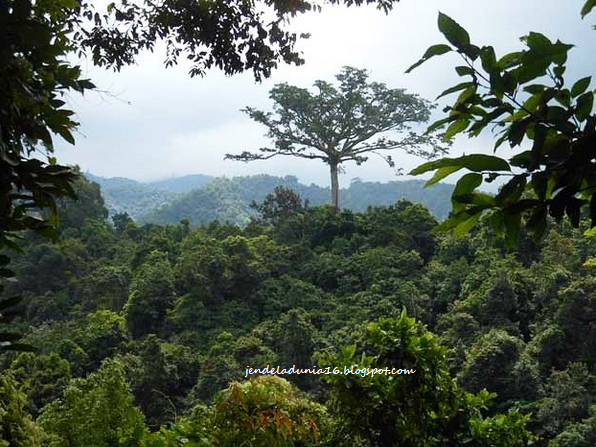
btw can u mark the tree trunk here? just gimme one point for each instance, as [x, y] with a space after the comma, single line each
[334, 186]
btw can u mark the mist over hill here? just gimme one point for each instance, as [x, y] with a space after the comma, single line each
[229, 199]
[122, 194]
[203, 199]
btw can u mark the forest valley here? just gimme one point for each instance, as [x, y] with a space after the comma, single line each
[118, 333]
[143, 333]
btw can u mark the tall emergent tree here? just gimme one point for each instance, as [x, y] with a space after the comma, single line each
[36, 38]
[343, 123]
[549, 123]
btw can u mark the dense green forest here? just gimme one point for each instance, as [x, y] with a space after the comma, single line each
[142, 327]
[202, 199]
[135, 316]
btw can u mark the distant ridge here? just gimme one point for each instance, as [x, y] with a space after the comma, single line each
[136, 198]
[228, 199]
[182, 184]
[202, 198]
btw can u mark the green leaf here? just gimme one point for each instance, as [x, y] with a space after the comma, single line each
[464, 70]
[517, 131]
[455, 128]
[509, 60]
[453, 32]
[521, 206]
[512, 225]
[587, 8]
[474, 162]
[563, 97]
[435, 50]
[573, 211]
[438, 124]
[489, 60]
[584, 106]
[452, 222]
[441, 174]
[467, 184]
[512, 190]
[581, 86]
[479, 198]
[456, 88]
[539, 43]
[65, 133]
[540, 184]
[537, 222]
[464, 96]
[464, 186]
[465, 227]
[497, 220]
[535, 88]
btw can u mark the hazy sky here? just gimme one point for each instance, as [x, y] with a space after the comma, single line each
[158, 122]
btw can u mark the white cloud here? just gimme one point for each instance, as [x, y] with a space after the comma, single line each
[163, 123]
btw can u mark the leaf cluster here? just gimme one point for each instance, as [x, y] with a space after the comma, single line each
[523, 97]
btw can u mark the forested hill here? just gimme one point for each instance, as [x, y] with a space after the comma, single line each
[139, 327]
[229, 199]
[122, 194]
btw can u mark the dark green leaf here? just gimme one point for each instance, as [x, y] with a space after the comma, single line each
[563, 97]
[474, 162]
[509, 60]
[464, 70]
[538, 146]
[435, 50]
[540, 184]
[456, 88]
[455, 128]
[584, 106]
[438, 124]
[573, 211]
[588, 6]
[465, 226]
[480, 199]
[512, 225]
[464, 186]
[489, 60]
[497, 220]
[537, 222]
[521, 206]
[517, 131]
[580, 86]
[535, 88]
[453, 32]
[512, 190]
[441, 174]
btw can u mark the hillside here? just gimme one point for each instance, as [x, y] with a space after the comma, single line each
[151, 323]
[229, 199]
[182, 184]
[136, 198]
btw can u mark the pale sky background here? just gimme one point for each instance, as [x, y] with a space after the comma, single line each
[159, 123]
